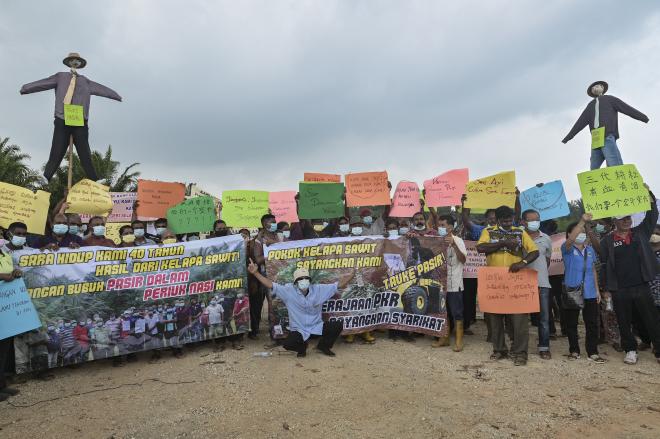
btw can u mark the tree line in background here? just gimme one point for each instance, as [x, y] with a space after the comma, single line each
[15, 170]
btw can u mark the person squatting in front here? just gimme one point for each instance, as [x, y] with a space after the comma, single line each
[303, 302]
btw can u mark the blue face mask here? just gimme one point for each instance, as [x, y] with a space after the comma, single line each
[193, 238]
[18, 241]
[367, 219]
[272, 227]
[160, 230]
[74, 230]
[60, 229]
[139, 233]
[99, 230]
[344, 228]
[600, 228]
[442, 231]
[533, 226]
[403, 230]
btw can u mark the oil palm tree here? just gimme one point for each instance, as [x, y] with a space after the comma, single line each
[13, 168]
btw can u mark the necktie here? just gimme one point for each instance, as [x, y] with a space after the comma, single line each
[597, 114]
[72, 85]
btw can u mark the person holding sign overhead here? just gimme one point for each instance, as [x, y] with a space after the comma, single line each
[72, 96]
[601, 115]
[508, 246]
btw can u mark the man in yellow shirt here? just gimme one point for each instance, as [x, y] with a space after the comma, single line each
[506, 245]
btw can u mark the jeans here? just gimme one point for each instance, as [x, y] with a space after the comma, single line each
[609, 153]
[520, 324]
[331, 330]
[590, 317]
[455, 304]
[638, 298]
[544, 319]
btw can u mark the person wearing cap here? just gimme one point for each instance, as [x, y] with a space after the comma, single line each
[601, 113]
[71, 88]
[303, 302]
[628, 266]
[371, 226]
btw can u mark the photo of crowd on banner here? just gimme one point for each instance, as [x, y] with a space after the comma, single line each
[326, 256]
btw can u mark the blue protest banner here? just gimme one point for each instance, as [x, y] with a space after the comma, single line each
[548, 199]
[17, 313]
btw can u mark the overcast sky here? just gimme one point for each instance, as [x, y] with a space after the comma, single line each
[251, 94]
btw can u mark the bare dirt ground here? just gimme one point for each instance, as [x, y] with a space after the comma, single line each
[390, 389]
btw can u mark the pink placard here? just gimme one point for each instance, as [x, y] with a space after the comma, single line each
[283, 206]
[446, 189]
[405, 202]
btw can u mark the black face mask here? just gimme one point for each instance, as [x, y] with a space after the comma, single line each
[222, 232]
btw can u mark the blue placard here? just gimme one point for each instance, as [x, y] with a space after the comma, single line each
[17, 312]
[549, 200]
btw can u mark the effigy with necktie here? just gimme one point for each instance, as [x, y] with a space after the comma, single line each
[72, 96]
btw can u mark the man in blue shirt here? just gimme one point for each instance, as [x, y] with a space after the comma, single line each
[303, 302]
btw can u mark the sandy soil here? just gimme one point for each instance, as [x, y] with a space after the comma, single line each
[390, 389]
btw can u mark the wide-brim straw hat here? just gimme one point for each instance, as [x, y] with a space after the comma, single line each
[603, 83]
[74, 55]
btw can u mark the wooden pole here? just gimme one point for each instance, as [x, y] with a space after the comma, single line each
[70, 182]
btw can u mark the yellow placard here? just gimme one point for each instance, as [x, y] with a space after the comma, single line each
[492, 192]
[74, 115]
[89, 197]
[598, 138]
[23, 205]
[112, 231]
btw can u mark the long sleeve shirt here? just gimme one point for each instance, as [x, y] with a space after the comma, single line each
[305, 310]
[82, 93]
[609, 107]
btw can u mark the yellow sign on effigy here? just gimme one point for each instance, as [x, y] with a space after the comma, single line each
[18, 204]
[89, 197]
[597, 138]
[492, 192]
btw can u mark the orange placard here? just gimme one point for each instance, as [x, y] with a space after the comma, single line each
[155, 197]
[502, 292]
[367, 189]
[322, 178]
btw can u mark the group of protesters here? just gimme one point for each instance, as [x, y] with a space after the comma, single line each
[612, 263]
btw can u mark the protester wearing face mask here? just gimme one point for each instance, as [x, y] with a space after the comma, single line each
[167, 237]
[357, 227]
[192, 237]
[456, 257]
[370, 224]
[60, 236]
[508, 246]
[267, 236]
[219, 229]
[579, 271]
[419, 226]
[628, 265]
[16, 237]
[97, 237]
[140, 232]
[304, 301]
[75, 224]
[392, 228]
[342, 228]
[531, 220]
[316, 228]
[161, 227]
[283, 231]
[127, 236]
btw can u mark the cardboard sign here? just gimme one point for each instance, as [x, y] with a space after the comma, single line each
[193, 215]
[446, 189]
[155, 197]
[244, 208]
[112, 231]
[473, 260]
[122, 208]
[502, 292]
[557, 260]
[74, 115]
[367, 189]
[319, 178]
[89, 197]
[283, 205]
[321, 200]
[405, 202]
[492, 192]
[549, 200]
[17, 312]
[613, 191]
[598, 138]
[23, 205]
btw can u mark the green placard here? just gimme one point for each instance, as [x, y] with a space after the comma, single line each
[613, 191]
[244, 208]
[598, 138]
[193, 215]
[74, 115]
[321, 200]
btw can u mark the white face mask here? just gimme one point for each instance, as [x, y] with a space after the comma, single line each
[286, 233]
[303, 284]
[581, 238]
[368, 219]
[393, 233]
[403, 230]
[356, 231]
[344, 228]
[442, 231]
[533, 226]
